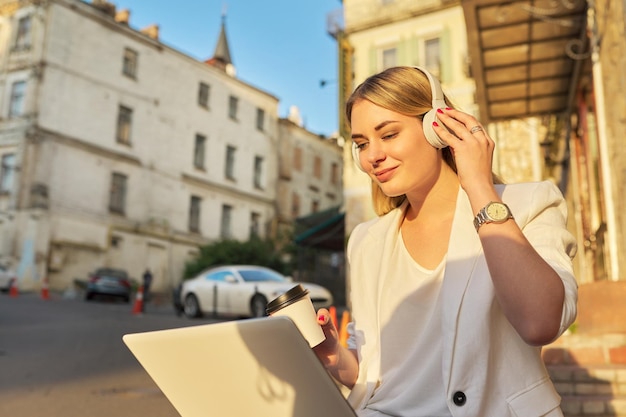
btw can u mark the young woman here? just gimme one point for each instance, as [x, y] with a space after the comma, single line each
[458, 283]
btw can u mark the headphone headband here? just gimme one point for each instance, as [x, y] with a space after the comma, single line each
[438, 99]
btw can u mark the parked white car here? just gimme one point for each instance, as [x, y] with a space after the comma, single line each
[242, 291]
[6, 275]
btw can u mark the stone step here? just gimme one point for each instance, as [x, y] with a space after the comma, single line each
[589, 381]
[586, 350]
[591, 391]
[609, 375]
[593, 406]
[589, 372]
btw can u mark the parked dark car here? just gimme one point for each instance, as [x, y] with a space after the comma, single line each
[109, 282]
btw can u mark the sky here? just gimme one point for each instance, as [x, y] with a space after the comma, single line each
[279, 46]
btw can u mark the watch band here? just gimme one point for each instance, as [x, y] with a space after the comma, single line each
[483, 217]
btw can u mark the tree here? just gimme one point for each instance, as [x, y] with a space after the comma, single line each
[255, 251]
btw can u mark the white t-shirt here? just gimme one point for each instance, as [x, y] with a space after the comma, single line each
[411, 381]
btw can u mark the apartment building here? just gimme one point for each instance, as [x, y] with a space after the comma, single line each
[310, 172]
[118, 150]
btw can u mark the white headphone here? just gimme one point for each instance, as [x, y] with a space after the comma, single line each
[427, 122]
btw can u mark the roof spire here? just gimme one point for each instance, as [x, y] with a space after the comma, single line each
[221, 56]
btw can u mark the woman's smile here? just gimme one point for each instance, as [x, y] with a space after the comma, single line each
[384, 175]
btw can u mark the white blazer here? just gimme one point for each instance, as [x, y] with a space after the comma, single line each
[488, 370]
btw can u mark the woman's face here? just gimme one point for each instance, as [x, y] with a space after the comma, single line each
[393, 149]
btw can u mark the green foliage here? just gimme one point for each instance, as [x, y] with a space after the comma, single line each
[573, 329]
[229, 252]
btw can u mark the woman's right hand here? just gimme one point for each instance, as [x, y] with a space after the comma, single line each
[328, 350]
[339, 361]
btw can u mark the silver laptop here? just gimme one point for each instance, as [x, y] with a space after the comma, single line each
[254, 367]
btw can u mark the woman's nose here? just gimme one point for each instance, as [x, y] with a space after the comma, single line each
[374, 154]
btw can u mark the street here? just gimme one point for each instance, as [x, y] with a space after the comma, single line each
[65, 357]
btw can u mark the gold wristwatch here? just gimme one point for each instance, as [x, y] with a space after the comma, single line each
[493, 212]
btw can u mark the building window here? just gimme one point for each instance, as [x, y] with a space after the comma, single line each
[39, 195]
[230, 162]
[225, 227]
[116, 241]
[117, 196]
[334, 173]
[194, 214]
[18, 94]
[22, 38]
[7, 172]
[255, 224]
[258, 172]
[233, 103]
[124, 122]
[203, 95]
[297, 159]
[389, 58]
[295, 205]
[315, 206]
[129, 66]
[317, 167]
[432, 57]
[260, 119]
[199, 151]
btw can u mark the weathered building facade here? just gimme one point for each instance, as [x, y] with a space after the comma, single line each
[310, 172]
[120, 151]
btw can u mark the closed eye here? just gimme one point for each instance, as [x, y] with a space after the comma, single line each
[361, 146]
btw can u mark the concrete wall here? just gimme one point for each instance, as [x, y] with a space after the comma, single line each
[611, 18]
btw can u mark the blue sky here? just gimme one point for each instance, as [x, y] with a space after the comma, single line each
[279, 46]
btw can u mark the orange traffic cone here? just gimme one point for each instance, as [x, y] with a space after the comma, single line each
[138, 307]
[332, 310]
[14, 291]
[45, 294]
[343, 331]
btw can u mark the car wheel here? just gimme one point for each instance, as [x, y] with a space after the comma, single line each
[258, 305]
[192, 306]
[89, 296]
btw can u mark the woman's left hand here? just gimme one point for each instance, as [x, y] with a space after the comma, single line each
[471, 145]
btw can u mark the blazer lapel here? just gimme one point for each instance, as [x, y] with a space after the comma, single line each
[463, 250]
[387, 228]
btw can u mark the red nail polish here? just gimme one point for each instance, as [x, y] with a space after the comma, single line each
[435, 124]
[320, 317]
[440, 111]
[448, 108]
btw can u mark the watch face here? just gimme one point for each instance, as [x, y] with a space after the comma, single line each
[497, 211]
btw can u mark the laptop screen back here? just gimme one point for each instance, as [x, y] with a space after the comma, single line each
[253, 367]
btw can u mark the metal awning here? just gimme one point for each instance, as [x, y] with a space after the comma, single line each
[322, 230]
[524, 55]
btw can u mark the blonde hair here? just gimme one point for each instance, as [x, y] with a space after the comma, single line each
[404, 90]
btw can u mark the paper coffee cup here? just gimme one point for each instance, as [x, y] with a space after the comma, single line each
[296, 304]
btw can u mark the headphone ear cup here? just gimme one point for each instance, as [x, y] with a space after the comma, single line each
[427, 126]
[355, 156]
